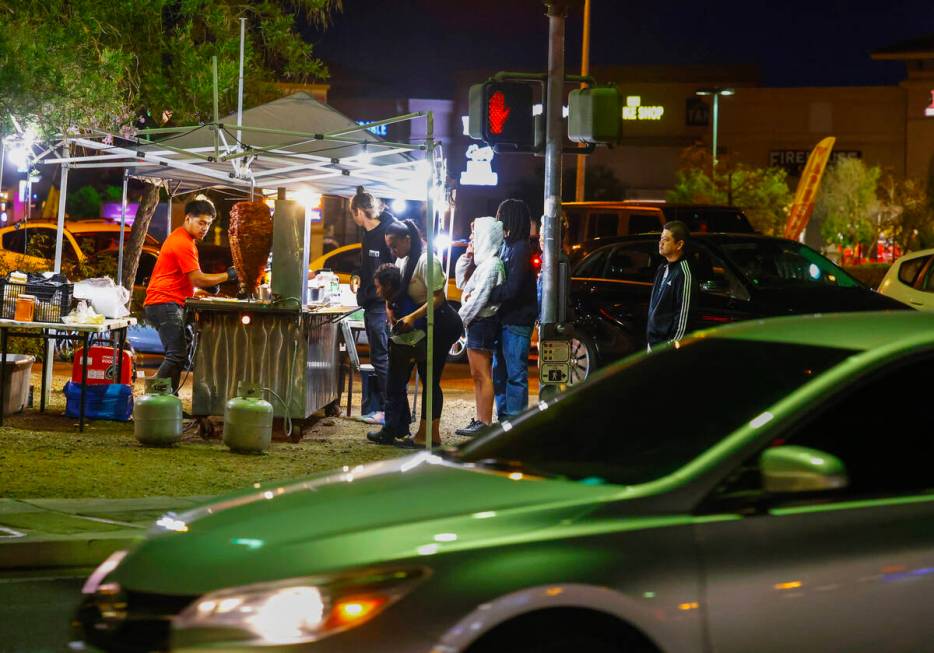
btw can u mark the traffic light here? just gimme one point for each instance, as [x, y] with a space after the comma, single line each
[501, 115]
[595, 115]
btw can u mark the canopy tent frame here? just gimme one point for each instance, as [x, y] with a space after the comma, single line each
[197, 169]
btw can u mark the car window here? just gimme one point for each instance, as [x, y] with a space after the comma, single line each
[593, 264]
[781, 264]
[885, 452]
[643, 223]
[15, 240]
[40, 242]
[144, 270]
[603, 225]
[346, 262]
[928, 284]
[908, 270]
[575, 225]
[634, 262]
[712, 274]
[622, 427]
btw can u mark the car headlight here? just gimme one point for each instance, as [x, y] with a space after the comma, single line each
[293, 611]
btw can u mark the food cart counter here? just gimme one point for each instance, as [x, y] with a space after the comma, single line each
[289, 349]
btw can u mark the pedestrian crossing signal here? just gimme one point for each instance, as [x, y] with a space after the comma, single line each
[501, 115]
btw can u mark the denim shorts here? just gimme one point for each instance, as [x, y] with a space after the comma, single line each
[483, 333]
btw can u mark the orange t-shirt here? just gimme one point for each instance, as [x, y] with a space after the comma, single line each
[169, 282]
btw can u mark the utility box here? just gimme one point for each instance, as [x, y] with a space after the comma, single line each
[595, 115]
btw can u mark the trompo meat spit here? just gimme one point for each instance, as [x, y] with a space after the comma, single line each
[250, 242]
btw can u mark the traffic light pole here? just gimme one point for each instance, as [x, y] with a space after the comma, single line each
[553, 291]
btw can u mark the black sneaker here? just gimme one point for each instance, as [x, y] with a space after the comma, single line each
[383, 436]
[474, 428]
[470, 429]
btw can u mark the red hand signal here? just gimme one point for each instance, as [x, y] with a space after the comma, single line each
[498, 112]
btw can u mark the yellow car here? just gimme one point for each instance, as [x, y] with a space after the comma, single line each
[32, 244]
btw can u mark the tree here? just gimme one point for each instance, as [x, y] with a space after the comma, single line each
[69, 66]
[761, 192]
[847, 207]
[906, 212]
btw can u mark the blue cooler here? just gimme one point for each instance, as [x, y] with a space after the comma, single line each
[113, 401]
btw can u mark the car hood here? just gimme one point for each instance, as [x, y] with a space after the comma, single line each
[391, 510]
[822, 299]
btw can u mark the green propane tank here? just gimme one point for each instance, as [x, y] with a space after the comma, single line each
[157, 415]
[248, 420]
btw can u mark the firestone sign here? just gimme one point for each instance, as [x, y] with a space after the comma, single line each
[793, 161]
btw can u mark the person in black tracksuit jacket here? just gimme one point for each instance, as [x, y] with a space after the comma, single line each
[368, 213]
[674, 291]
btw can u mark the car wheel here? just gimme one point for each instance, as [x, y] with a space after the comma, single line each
[458, 351]
[583, 358]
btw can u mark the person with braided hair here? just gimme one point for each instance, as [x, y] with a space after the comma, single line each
[406, 347]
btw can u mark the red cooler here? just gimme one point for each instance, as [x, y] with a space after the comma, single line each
[102, 366]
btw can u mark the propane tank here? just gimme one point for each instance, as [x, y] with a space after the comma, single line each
[248, 420]
[157, 415]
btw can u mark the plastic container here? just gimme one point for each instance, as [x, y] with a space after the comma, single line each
[157, 414]
[248, 420]
[25, 308]
[17, 369]
[111, 402]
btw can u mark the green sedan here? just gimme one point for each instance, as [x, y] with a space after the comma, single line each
[766, 486]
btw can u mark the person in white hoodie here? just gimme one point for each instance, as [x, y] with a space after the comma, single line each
[477, 272]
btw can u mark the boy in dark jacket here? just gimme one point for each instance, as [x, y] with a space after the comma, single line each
[674, 290]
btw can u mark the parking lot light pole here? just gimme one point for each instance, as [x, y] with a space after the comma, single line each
[716, 92]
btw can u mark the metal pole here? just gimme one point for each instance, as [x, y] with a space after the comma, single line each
[585, 71]
[240, 90]
[168, 213]
[46, 392]
[430, 281]
[3, 163]
[216, 113]
[553, 145]
[716, 106]
[126, 178]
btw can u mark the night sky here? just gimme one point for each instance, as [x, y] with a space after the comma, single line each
[415, 45]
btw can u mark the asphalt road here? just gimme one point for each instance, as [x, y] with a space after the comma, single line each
[35, 610]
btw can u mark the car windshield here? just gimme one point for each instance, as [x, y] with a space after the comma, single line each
[648, 416]
[783, 263]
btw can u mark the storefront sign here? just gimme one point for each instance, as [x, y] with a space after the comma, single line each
[378, 130]
[634, 110]
[929, 112]
[793, 161]
[479, 170]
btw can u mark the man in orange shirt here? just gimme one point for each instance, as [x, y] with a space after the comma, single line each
[174, 278]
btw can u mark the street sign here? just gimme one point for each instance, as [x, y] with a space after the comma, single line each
[554, 373]
[555, 351]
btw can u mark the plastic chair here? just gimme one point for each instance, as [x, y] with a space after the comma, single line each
[365, 370]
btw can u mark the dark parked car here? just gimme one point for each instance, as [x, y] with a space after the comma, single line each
[740, 276]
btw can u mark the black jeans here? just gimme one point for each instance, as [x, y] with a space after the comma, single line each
[377, 334]
[168, 321]
[448, 328]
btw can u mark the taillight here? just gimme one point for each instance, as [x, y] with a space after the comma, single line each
[536, 262]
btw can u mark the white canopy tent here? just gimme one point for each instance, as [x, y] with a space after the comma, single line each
[294, 142]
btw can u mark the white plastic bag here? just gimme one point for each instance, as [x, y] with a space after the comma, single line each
[107, 298]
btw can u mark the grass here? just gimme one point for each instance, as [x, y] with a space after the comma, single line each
[44, 456]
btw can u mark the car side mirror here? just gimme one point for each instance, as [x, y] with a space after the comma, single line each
[799, 469]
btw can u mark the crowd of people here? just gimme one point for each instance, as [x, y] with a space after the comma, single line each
[499, 307]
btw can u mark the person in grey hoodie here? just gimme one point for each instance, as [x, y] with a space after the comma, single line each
[478, 271]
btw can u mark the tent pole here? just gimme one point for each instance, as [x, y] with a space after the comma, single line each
[217, 119]
[240, 91]
[126, 178]
[59, 242]
[168, 213]
[430, 282]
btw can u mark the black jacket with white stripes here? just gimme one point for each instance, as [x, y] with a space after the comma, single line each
[673, 295]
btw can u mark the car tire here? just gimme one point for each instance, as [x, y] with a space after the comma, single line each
[458, 351]
[583, 358]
